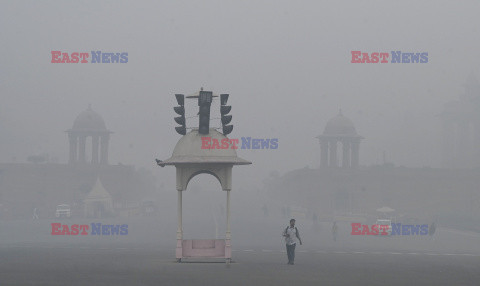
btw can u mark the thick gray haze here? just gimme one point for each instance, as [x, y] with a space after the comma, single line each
[286, 65]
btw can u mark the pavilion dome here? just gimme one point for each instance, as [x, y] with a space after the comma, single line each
[189, 150]
[89, 120]
[340, 125]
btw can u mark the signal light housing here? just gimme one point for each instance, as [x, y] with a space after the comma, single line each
[180, 110]
[224, 110]
[204, 102]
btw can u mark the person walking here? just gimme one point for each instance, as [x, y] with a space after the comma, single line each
[35, 213]
[431, 230]
[291, 235]
[334, 231]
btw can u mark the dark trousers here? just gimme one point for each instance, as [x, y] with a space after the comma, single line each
[291, 252]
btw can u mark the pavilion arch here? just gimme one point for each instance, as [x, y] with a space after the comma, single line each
[208, 172]
[221, 172]
[204, 208]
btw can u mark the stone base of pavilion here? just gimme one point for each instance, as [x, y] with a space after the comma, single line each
[203, 250]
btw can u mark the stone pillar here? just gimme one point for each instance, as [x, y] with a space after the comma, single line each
[228, 234]
[95, 141]
[355, 145]
[323, 153]
[178, 251]
[333, 153]
[346, 154]
[83, 140]
[73, 139]
[104, 149]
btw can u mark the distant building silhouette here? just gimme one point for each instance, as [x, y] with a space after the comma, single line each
[93, 188]
[461, 128]
[339, 129]
[89, 124]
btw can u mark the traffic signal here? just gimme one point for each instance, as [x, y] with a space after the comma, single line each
[180, 110]
[224, 110]
[204, 102]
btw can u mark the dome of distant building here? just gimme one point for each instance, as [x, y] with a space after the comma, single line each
[88, 124]
[89, 120]
[340, 125]
[339, 133]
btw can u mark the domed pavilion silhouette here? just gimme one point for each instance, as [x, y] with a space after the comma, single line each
[89, 124]
[339, 129]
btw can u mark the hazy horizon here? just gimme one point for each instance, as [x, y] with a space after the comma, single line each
[285, 65]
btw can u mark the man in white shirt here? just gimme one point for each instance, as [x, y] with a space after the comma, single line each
[291, 235]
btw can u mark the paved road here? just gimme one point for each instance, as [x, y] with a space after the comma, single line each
[30, 255]
[87, 265]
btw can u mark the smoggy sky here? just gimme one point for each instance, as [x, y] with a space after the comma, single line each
[285, 64]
